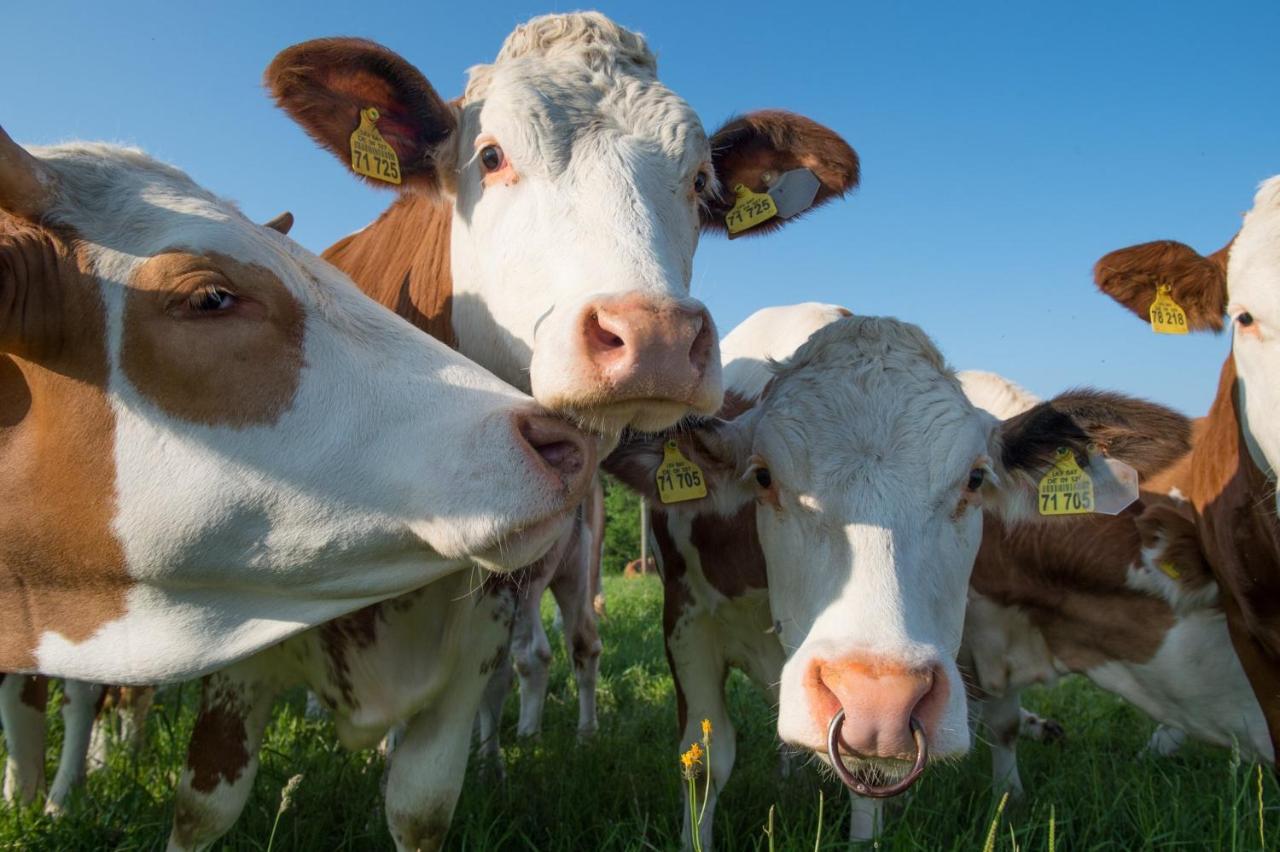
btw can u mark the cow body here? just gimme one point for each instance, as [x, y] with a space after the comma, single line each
[723, 567]
[546, 227]
[1127, 601]
[1229, 485]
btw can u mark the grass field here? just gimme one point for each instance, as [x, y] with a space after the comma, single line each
[622, 791]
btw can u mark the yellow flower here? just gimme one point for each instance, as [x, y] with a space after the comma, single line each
[692, 757]
[706, 729]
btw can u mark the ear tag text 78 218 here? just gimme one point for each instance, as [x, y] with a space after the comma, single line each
[1167, 316]
[678, 478]
[371, 155]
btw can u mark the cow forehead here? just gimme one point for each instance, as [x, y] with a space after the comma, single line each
[1254, 264]
[847, 430]
[548, 113]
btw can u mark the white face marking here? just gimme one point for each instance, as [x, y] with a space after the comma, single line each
[1253, 281]
[594, 200]
[394, 461]
[867, 532]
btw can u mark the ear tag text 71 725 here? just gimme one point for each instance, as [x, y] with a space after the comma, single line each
[678, 478]
[371, 155]
[749, 210]
[1167, 316]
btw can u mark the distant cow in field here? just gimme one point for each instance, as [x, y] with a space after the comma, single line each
[1127, 601]
[846, 489]
[202, 452]
[546, 226]
[1227, 485]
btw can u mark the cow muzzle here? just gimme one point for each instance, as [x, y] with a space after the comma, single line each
[634, 360]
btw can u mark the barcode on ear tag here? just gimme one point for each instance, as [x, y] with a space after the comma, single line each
[371, 155]
[679, 479]
[751, 209]
[1167, 316]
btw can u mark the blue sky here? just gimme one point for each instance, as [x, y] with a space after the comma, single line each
[1005, 147]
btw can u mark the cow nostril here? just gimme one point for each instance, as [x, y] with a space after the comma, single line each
[555, 444]
[602, 336]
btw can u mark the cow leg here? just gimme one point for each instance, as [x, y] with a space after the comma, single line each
[1002, 716]
[1165, 741]
[426, 769]
[489, 719]
[135, 707]
[222, 758]
[531, 653]
[23, 699]
[866, 819]
[79, 707]
[699, 671]
[572, 590]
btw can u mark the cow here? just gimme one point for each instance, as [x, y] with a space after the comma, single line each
[201, 456]
[1228, 483]
[846, 486]
[545, 226]
[1128, 601]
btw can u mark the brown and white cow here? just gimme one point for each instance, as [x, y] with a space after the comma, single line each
[546, 226]
[1127, 601]
[830, 559]
[1229, 481]
[202, 454]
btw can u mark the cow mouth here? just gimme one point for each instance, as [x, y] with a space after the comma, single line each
[863, 780]
[641, 414]
[524, 546]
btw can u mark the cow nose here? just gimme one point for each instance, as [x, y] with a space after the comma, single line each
[559, 449]
[879, 698]
[647, 347]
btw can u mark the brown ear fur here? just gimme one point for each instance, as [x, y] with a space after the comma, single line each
[1146, 436]
[323, 85]
[1172, 527]
[1197, 283]
[774, 140]
[282, 223]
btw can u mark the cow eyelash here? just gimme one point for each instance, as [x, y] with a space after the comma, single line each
[211, 300]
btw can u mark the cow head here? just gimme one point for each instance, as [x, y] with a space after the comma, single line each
[1240, 281]
[870, 471]
[211, 438]
[580, 185]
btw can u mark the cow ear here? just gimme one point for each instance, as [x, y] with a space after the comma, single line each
[748, 148]
[1197, 283]
[282, 223]
[718, 448]
[325, 85]
[26, 187]
[1146, 436]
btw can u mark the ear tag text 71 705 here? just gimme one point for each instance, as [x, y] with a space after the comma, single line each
[371, 156]
[1108, 487]
[1167, 316]
[678, 478]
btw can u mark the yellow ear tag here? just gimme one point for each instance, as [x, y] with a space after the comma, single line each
[1066, 489]
[1167, 316]
[678, 478]
[371, 156]
[749, 210]
[1170, 569]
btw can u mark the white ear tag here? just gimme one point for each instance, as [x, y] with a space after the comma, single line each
[1115, 484]
[794, 192]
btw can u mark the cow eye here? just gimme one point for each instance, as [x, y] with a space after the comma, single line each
[1245, 319]
[492, 158]
[763, 478]
[211, 300]
[977, 477]
[700, 182]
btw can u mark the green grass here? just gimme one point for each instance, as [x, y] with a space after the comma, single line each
[622, 792]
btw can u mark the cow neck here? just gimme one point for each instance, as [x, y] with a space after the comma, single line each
[401, 260]
[1232, 496]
